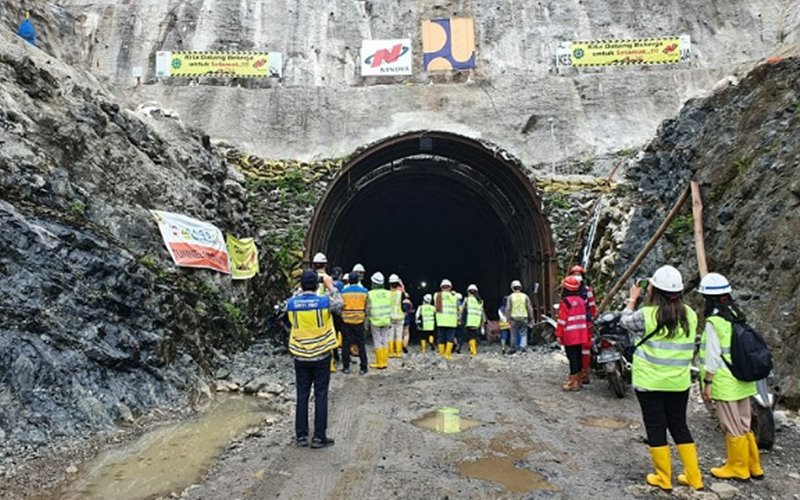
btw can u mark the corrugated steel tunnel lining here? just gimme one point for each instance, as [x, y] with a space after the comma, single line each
[433, 205]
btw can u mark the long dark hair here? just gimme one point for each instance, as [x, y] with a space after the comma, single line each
[723, 306]
[671, 313]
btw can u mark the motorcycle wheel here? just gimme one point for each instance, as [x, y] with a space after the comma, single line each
[763, 425]
[616, 383]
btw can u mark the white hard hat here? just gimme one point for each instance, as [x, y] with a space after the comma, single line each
[714, 284]
[446, 282]
[459, 296]
[358, 268]
[427, 298]
[516, 284]
[320, 258]
[472, 288]
[667, 279]
[377, 278]
[394, 278]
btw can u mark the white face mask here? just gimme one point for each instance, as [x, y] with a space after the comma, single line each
[579, 278]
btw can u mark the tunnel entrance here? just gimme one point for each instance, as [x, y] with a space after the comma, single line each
[431, 205]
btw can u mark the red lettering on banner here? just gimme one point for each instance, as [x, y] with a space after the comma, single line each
[188, 255]
[386, 56]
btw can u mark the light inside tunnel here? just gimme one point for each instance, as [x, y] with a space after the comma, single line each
[429, 206]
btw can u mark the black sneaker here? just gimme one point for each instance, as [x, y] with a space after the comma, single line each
[302, 442]
[405, 350]
[346, 371]
[362, 372]
[321, 443]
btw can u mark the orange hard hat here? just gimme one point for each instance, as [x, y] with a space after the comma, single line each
[571, 283]
[577, 270]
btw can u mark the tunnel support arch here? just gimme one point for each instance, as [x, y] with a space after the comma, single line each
[435, 175]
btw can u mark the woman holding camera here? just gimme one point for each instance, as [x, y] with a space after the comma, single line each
[666, 330]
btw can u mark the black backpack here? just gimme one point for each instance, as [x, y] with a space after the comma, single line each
[750, 357]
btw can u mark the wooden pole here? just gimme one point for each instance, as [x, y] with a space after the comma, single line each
[646, 250]
[699, 236]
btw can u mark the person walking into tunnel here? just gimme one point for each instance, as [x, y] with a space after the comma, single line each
[320, 263]
[408, 319]
[664, 331]
[731, 396]
[426, 322]
[521, 314]
[460, 333]
[587, 294]
[572, 329]
[311, 340]
[397, 317]
[473, 318]
[354, 314]
[446, 304]
[505, 327]
[379, 315]
[359, 269]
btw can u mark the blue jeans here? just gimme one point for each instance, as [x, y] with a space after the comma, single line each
[519, 332]
[318, 374]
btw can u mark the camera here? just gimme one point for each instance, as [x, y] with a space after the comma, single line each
[643, 283]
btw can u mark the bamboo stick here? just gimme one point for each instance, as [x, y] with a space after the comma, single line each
[699, 236]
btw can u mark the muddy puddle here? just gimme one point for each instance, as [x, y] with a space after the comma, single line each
[609, 422]
[446, 421]
[166, 459]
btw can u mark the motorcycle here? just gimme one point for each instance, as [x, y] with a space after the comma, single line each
[610, 352]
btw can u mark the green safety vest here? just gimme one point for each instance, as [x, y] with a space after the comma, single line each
[474, 312]
[380, 307]
[397, 305]
[726, 387]
[448, 318]
[518, 305]
[661, 363]
[427, 314]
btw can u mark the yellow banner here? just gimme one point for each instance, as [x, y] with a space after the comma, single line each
[240, 64]
[244, 258]
[621, 52]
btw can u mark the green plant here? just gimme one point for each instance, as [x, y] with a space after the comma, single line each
[559, 200]
[78, 208]
[743, 164]
[149, 262]
[624, 152]
[681, 226]
[232, 309]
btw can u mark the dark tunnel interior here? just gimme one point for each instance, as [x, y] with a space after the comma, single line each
[428, 208]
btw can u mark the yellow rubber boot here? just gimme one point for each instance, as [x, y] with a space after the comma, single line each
[398, 349]
[378, 357]
[691, 470]
[441, 350]
[391, 349]
[448, 351]
[473, 347]
[423, 345]
[333, 365]
[385, 358]
[756, 472]
[662, 461]
[737, 465]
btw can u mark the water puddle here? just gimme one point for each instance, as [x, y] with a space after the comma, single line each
[169, 458]
[446, 421]
[609, 423]
[504, 466]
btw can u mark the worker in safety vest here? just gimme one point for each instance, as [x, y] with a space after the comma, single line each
[505, 327]
[520, 311]
[379, 315]
[354, 314]
[397, 316]
[474, 318]
[731, 396]
[359, 269]
[426, 322]
[587, 295]
[665, 331]
[446, 304]
[572, 329]
[319, 263]
[311, 340]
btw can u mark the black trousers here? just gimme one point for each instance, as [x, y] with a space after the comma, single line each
[338, 323]
[662, 410]
[318, 374]
[354, 334]
[574, 356]
[472, 333]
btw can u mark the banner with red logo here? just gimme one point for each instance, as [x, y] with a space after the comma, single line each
[386, 57]
[193, 243]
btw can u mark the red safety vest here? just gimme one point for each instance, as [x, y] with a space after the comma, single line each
[573, 329]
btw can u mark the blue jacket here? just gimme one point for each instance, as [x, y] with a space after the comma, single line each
[27, 31]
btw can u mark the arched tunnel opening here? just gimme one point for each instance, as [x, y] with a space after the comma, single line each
[429, 206]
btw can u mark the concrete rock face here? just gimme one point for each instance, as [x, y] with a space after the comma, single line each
[743, 145]
[323, 108]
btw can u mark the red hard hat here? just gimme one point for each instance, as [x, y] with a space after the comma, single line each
[577, 270]
[571, 283]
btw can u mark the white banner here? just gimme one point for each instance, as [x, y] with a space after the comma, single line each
[164, 64]
[386, 57]
[193, 243]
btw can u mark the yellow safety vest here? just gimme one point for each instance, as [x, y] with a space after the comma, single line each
[726, 387]
[448, 318]
[312, 334]
[397, 305]
[355, 304]
[661, 363]
[474, 312]
[518, 302]
[380, 307]
[427, 314]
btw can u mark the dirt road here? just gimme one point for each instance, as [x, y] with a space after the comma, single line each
[534, 442]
